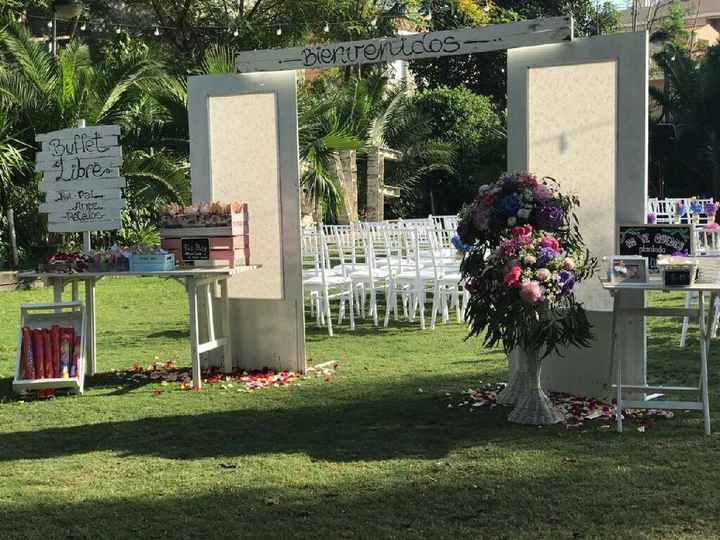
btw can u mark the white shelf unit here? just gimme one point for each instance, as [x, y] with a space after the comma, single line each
[38, 316]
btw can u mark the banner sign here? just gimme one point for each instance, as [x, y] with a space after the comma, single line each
[409, 47]
[653, 240]
[81, 178]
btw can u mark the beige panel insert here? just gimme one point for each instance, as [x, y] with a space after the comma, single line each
[572, 134]
[244, 167]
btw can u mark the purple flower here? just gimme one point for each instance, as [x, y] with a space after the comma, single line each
[696, 208]
[566, 282]
[710, 209]
[542, 193]
[683, 253]
[459, 244]
[480, 216]
[652, 217]
[545, 254]
[509, 206]
[549, 217]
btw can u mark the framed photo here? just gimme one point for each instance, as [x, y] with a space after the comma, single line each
[627, 269]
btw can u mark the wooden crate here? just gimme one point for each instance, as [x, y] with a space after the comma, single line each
[37, 316]
[212, 251]
[238, 225]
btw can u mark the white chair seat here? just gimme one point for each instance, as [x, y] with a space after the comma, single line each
[364, 275]
[452, 278]
[330, 281]
[405, 262]
[411, 276]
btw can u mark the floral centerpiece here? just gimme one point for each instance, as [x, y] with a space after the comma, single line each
[527, 257]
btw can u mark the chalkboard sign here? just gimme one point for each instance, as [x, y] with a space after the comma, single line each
[81, 178]
[653, 240]
[195, 249]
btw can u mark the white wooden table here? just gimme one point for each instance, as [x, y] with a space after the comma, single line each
[199, 281]
[656, 284]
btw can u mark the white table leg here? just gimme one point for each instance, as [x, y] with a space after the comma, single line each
[58, 286]
[227, 349]
[194, 335]
[617, 362]
[90, 326]
[209, 311]
[703, 360]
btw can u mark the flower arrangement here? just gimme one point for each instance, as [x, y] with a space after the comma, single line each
[65, 262]
[199, 215]
[527, 257]
[652, 218]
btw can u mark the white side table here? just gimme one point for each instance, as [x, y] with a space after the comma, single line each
[655, 284]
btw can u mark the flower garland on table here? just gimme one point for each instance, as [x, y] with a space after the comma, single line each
[527, 257]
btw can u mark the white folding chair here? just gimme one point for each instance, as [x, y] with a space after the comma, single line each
[327, 286]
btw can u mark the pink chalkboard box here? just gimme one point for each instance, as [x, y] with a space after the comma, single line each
[207, 234]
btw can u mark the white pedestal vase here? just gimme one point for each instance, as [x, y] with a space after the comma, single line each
[534, 407]
[517, 386]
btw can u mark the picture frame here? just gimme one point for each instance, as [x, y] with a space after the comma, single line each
[628, 270]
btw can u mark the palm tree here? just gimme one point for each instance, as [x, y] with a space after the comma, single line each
[43, 93]
[321, 135]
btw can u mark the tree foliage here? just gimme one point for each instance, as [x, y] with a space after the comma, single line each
[691, 100]
[453, 140]
[485, 73]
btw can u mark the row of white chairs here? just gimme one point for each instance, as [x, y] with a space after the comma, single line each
[404, 264]
[666, 210]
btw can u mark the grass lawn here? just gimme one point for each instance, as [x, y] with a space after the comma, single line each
[371, 454]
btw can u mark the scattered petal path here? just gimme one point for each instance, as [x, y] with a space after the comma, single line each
[576, 410]
[166, 373]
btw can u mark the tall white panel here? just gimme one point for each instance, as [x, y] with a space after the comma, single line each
[578, 112]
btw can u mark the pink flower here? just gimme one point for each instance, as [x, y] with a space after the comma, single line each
[512, 278]
[507, 247]
[543, 274]
[712, 227]
[568, 264]
[523, 234]
[531, 292]
[528, 179]
[550, 242]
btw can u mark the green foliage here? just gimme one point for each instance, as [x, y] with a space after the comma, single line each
[452, 140]
[690, 100]
[41, 93]
[321, 134]
[485, 73]
[673, 26]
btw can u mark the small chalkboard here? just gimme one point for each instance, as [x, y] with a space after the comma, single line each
[653, 240]
[195, 249]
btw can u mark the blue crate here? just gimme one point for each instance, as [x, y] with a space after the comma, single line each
[152, 262]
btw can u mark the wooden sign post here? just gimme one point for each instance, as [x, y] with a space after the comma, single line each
[81, 179]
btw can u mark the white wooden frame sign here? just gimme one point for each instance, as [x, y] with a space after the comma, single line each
[409, 47]
[81, 178]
